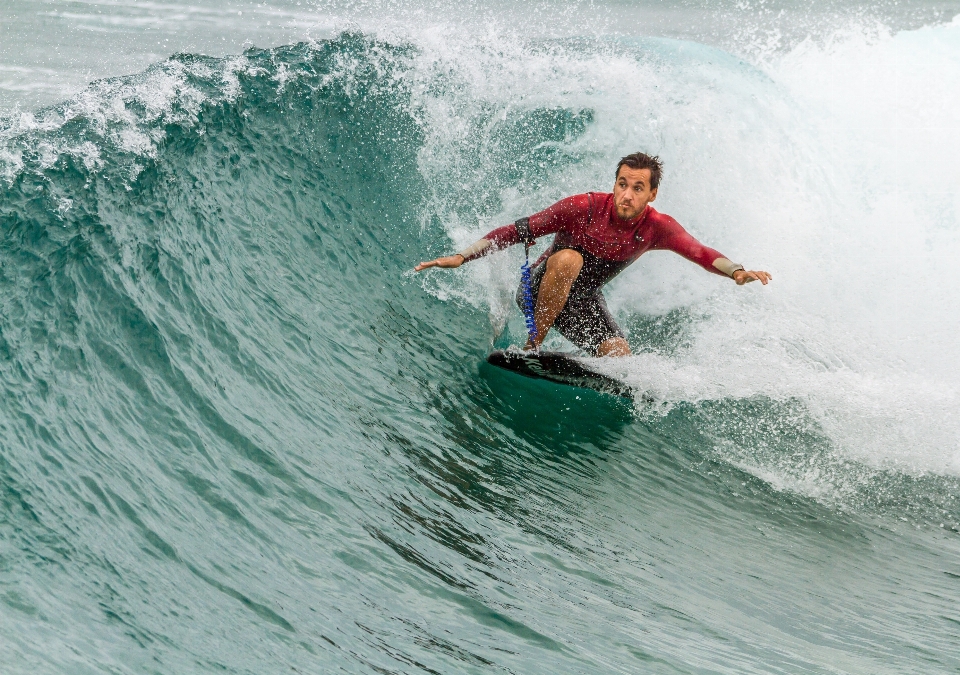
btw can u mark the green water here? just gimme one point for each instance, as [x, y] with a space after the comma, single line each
[238, 435]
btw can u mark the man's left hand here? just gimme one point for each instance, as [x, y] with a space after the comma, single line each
[746, 276]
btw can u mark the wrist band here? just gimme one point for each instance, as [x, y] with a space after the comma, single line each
[727, 266]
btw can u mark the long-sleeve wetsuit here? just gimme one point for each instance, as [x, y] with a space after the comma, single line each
[589, 224]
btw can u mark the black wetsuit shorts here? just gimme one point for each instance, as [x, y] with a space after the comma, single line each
[585, 319]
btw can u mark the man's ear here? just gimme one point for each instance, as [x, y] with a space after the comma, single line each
[653, 194]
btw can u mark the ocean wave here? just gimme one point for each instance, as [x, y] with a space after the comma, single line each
[238, 435]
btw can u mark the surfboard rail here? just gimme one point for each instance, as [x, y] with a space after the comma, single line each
[557, 367]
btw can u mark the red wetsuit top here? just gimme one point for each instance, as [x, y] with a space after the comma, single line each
[589, 224]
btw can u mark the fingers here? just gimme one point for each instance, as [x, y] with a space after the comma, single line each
[750, 275]
[447, 261]
[424, 265]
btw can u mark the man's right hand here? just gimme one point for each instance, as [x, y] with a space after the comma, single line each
[454, 260]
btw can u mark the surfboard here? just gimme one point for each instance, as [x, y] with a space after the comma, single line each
[557, 367]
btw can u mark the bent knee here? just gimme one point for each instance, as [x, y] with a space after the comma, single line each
[567, 261]
[616, 346]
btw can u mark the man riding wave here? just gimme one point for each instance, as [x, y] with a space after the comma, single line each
[598, 236]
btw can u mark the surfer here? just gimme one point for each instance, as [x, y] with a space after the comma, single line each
[598, 236]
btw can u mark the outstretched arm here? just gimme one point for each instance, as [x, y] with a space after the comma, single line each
[675, 238]
[552, 219]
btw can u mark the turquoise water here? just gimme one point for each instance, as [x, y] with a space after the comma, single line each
[237, 434]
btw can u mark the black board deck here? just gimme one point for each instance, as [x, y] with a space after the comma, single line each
[557, 367]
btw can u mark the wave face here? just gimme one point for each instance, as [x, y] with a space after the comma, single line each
[239, 435]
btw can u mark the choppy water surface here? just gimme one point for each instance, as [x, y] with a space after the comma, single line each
[238, 435]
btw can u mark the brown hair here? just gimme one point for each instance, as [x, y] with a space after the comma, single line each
[640, 160]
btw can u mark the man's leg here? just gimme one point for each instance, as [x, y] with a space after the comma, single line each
[593, 328]
[587, 323]
[615, 346]
[563, 267]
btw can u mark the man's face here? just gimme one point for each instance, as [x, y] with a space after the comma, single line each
[631, 192]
